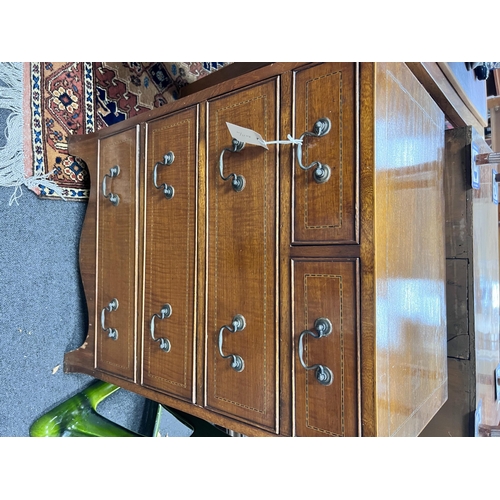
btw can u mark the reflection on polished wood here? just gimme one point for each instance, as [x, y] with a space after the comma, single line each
[409, 254]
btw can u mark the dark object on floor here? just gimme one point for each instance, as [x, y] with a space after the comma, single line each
[201, 428]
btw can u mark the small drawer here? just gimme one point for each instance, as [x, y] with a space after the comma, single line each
[170, 215]
[325, 211]
[116, 312]
[325, 344]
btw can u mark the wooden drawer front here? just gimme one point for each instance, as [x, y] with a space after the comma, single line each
[326, 213]
[170, 242]
[242, 267]
[116, 250]
[325, 289]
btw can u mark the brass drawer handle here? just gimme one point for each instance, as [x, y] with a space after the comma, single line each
[322, 172]
[237, 325]
[166, 312]
[238, 181]
[112, 306]
[324, 327]
[168, 190]
[113, 198]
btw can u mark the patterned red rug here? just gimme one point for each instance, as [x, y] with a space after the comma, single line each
[68, 98]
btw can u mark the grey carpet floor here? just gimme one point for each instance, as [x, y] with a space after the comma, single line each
[43, 315]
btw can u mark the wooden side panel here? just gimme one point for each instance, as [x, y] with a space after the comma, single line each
[82, 359]
[458, 194]
[117, 255]
[457, 308]
[409, 254]
[458, 225]
[455, 418]
[326, 213]
[242, 259]
[326, 289]
[471, 222]
[170, 254]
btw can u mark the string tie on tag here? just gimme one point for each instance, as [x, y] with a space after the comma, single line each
[291, 140]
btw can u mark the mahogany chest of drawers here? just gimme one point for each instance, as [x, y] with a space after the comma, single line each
[296, 289]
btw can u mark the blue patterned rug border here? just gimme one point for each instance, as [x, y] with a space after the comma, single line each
[37, 133]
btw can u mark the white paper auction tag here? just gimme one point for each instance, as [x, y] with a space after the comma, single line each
[246, 135]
